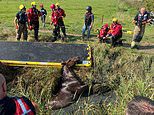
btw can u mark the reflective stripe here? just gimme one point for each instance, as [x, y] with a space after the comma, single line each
[23, 107]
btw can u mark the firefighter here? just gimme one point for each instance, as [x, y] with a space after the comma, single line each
[33, 19]
[61, 21]
[102, 33]
[20, 22]
[14, 105]
[43, 14]
[88, 22]
[54, 21]
[140, 21]
[115, 33]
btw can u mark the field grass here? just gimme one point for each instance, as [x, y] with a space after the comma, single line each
[127, 72]
[75, 12]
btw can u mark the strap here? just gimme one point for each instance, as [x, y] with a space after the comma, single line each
[23, 107]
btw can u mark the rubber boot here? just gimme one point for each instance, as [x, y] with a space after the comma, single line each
[133, 44]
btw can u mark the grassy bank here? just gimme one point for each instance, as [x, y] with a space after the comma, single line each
[126, 76]
[126, 72]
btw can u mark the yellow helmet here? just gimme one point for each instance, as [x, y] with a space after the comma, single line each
[33, 3]
[21, 6]
[57, 4]
[114, 20]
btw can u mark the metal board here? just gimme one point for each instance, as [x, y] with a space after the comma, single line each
[42, 53]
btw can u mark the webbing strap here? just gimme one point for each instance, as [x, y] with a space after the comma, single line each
[23, 107]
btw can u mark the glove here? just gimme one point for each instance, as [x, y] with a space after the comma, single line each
[17, 27]
[30, 27]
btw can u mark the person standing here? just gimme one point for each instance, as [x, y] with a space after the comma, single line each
[54, 21]
[20, 22]
[88, 22]
[33, 19]
[61, 21]
[140, 21]
[43, 14]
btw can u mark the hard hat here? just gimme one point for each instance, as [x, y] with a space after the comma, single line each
[21, 6]
[52, 6]
[57, 4]
[114, 19]
[41, 5]
[33, 3]
[89, 8]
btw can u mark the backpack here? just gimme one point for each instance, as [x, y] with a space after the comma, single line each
[22, 107]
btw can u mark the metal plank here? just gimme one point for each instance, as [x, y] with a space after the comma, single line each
[42, 54]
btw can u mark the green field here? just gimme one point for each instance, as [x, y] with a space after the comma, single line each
[127, 72]
[75, 12]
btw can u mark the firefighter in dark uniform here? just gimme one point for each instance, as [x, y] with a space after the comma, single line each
[20, 22]
[33, 19]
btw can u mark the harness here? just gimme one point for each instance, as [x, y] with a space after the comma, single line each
[22, 108]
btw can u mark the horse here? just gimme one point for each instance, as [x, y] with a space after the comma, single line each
[71, 88]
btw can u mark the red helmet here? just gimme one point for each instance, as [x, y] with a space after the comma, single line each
[52, 6]
[106, 25]
[41, 5]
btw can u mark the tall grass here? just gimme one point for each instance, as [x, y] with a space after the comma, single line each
[125, 72]
[126, 76]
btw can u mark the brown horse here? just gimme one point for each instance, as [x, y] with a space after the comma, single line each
[72, 86]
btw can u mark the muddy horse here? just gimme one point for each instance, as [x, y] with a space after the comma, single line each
[71, 86]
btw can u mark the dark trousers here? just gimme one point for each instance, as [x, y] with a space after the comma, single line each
[115, 40]
[43, 20]
[22, 29]
[36, 29]
[55, 32]
[62, 27]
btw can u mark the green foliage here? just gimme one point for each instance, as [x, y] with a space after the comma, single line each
[149, 4]
[128, 75]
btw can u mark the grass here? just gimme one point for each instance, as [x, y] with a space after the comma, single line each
[127, 72]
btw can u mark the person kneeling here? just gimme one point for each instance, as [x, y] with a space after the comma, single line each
[115, 33]
[102, 33]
